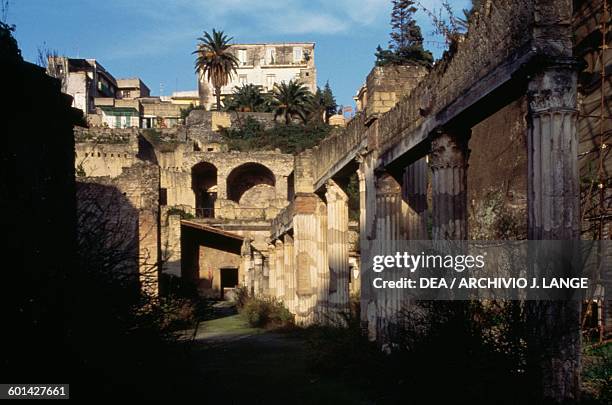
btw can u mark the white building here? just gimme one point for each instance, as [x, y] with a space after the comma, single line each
[267, 64]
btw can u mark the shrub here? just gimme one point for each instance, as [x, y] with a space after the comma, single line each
[266, 313]
[242, 296]
[292, 138]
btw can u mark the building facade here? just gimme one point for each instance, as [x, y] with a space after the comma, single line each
[266, 65]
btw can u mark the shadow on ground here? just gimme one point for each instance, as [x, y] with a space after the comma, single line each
[241, 364]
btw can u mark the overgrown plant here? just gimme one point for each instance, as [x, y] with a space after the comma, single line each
[406, 44]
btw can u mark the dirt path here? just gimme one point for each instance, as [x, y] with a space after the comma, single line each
[241, 364]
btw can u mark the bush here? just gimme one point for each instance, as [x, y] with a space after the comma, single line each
[242, 296]
[266, 313]
[292, 138]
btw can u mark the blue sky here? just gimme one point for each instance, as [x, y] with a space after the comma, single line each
[153, 39]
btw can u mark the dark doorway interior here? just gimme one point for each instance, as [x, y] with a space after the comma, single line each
[229, 279]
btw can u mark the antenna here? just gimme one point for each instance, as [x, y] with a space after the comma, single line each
[161, 88]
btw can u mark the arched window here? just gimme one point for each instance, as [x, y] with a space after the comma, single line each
[204, 186]
[251, 183]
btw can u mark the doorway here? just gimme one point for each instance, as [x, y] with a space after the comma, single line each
[229, 280]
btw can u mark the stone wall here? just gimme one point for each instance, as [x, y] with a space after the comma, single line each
[105, 152]
[497, 175]
[387, 85]
[136, 219]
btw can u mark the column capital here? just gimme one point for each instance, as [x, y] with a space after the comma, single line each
[450, 148]
[334, 192]
[361, 155]
[553, 88]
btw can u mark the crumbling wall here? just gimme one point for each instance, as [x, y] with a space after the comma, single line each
[387, 85]
[497, 175]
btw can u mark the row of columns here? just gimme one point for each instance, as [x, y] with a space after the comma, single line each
[392, 210]
[308, 269]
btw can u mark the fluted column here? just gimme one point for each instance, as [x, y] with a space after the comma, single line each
[554, 343]
[289, 271]
[449, 162]
[322, 263]
[367, 228]
[337, 246]
[415, 195]
[306, 247]
[258, 282]
[279, 269]
[272, 270]
[390, 228]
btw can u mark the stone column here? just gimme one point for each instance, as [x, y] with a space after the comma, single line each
[305, 232]
[281, 187]
[288, 256]
[222, 186]
[415, 195]
[322, 264]
[279, 269]
[449, 162]
[247, 265]
[390, 228]
[554, 343]
[258, 282]
[272, 270]
[337, 246]
[367, 229]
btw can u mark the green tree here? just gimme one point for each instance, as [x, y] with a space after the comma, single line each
[248, 97]
[329, 102]
[215, 60]
[315, 108]
[406, 44]
[291, 100]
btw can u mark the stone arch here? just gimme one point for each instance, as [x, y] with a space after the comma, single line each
[248, 176]
[204, 186]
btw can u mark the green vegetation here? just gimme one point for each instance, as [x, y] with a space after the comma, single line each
[406, 44]
[263, 312]
[215, 60]
[291, 100]
[292, 138]
[249, 98]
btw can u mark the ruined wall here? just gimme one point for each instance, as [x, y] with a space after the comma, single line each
[497, 175]
[130, 205]
[104, 152]
[387, 85]
[211, 119]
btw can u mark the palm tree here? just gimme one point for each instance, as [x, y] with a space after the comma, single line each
[248, 98]
[291, 99]
[215, 60]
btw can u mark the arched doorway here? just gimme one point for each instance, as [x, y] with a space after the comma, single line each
[204, 186]
[250, 184]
